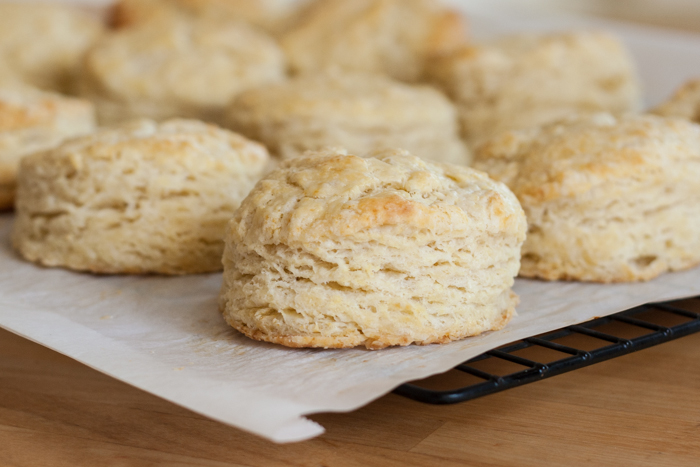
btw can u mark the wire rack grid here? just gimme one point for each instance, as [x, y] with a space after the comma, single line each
[567, 349]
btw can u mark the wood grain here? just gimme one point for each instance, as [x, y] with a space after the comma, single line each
[641, 409]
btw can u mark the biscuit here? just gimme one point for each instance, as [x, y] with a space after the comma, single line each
[529, 80]
[392, 37]
[180, 68]
[32, 120]
[44, 43]
[270, 15]
[334, 250]
[685, 103]
[359, 112]
[141, 198]
[606, 199]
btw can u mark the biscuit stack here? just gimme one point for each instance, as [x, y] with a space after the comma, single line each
[338, 201]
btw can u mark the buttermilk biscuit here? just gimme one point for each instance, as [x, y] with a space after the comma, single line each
[393, 37]
[359, 112]
[177, 68]
[43, 43]
[528, 80]
[270, 15]
[607, 200]
[142, 198]
[685, 103]
[32, 120]
[334, 250]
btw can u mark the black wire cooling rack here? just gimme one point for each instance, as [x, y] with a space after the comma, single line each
[564, 350]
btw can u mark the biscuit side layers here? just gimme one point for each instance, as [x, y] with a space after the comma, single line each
[607, 200]
[144, 198]
[339, 251]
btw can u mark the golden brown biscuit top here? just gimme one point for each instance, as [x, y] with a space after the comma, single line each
[23, 107]
[569, 158]
[331, 194]
[173, 141]
[13, 116]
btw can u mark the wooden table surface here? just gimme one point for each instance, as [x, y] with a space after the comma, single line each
[641, 409]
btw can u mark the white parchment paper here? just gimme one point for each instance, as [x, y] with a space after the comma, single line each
[165, 336]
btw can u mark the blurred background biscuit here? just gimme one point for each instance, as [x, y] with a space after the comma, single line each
[334, 250]
[140, 198]
[606, 199]
[392, 37]
[43, 43]
[32, 120]
[528, 80]
[357, 111]
[177, 68]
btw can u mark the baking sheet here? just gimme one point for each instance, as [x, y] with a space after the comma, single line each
[164, 335]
